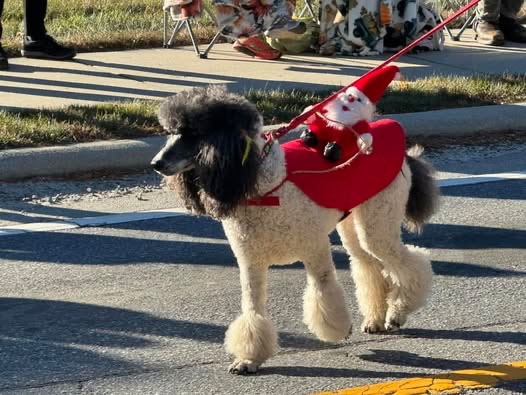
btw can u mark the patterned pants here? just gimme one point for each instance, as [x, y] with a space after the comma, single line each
[490, 10]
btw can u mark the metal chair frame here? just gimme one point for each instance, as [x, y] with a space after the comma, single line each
[180, 24]
[468, 23]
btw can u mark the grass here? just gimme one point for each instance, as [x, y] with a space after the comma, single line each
[97, 25]
[139, 118]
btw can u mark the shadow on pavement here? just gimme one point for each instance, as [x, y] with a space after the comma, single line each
[58, 338]
[468, 334]
[453, 236]
[309, 371]
[409, 359]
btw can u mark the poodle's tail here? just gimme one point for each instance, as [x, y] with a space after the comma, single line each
[424, 194]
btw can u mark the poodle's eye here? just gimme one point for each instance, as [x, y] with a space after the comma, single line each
[360, 100]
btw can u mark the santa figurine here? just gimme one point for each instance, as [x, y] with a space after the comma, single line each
[342, 125]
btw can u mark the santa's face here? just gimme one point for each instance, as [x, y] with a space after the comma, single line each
[349, 107]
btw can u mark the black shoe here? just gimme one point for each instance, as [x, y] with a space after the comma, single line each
[513, 30]
[3, 59]
[46, 48]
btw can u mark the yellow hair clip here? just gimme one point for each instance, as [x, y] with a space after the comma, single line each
[247, 149]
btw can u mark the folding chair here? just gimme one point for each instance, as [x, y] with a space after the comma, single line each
[308, 7]
[467, 23]
[172, 12]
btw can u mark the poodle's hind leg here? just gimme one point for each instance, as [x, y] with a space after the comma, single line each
[370, 283]
[407, 268]
[324, 304]
[251, 338]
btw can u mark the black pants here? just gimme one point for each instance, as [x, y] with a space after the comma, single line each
[34, 14]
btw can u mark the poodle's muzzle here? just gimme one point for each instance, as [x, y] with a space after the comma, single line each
[175, 157]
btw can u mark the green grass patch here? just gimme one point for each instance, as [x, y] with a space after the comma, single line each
[139, 118]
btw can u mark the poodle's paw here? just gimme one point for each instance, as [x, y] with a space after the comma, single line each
[326, 314]
[243, 367]
[394, 321]
[251, 338]
[373, 326]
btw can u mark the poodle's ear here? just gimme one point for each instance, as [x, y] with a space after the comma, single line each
[222, 125]
[228, 165]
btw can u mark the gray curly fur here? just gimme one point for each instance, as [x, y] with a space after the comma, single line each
[424, 194]
[218, 121]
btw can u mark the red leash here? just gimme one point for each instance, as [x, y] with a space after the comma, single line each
[277, 133]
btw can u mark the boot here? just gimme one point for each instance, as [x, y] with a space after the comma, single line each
[513, 30]
[488, 33]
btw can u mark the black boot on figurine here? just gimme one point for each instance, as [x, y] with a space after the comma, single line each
[309, 138]
[332, 152]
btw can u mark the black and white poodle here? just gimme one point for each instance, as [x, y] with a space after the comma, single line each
[214, 161]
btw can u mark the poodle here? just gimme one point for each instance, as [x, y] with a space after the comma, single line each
[219, 162]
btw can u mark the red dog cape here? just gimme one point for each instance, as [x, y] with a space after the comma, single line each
[353, 184]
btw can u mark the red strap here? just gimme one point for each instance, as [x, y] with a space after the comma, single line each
[263, 201]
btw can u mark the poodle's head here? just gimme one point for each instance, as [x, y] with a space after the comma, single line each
[210, 157]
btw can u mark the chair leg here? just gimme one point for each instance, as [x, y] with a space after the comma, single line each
[165, 28]
[192, 37]
[187, 23]
[466, 24]
[308, 7]
[204, 55]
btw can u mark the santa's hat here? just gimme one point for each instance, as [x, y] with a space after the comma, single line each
[373, 85]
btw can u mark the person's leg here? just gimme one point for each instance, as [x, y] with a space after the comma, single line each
[34, 15]
[487, 23]
[512, 29]
[37, 43]
[489, 10]
[1, 11]
[3, 57]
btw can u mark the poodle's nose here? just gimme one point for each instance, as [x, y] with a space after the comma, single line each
[158, 164]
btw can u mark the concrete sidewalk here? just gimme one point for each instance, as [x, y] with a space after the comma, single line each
[157, 73]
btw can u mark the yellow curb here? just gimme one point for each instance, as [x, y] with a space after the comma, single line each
[447, 383]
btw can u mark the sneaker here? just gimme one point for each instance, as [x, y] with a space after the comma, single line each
[488, 33]
[3, 59]
[46, 48]
[512, 29]
[255, 47]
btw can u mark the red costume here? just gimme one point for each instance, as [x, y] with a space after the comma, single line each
[372, 154]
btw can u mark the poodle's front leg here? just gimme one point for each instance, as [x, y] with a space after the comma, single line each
[251, 338]
[324, 306]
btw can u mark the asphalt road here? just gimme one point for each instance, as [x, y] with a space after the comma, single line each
[142, 307]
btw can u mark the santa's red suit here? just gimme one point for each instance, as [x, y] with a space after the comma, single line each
[345, 187]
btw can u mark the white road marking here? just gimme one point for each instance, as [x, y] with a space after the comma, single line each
[102, 220]
[110, 219]
[483, 178]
